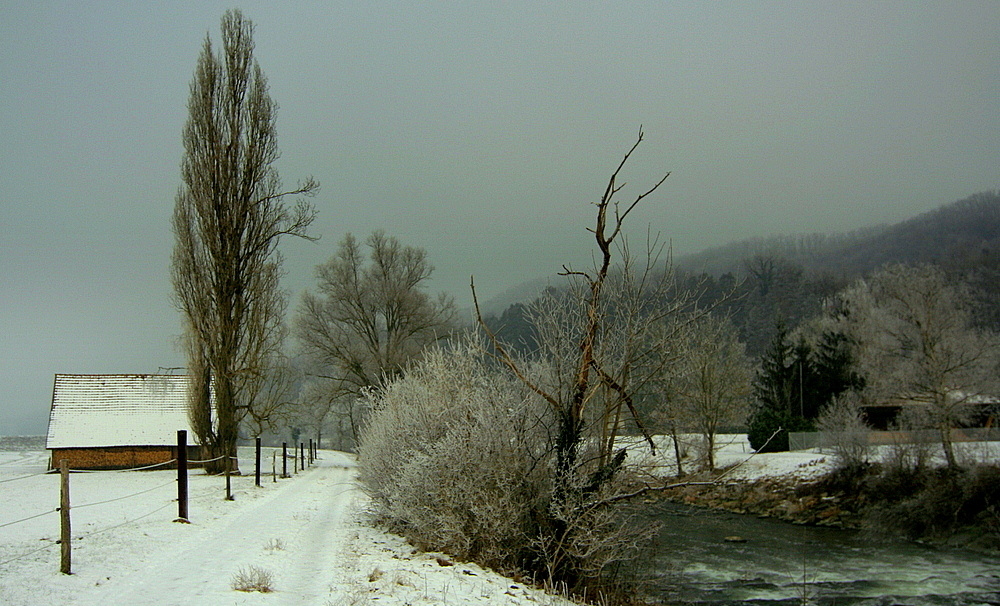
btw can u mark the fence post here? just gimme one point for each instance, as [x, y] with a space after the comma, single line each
[302, 456]
[182, 477]
[310, 451]
[229, 482]
[274, 465]
[64, 526]
[284, 459]
[257, 471]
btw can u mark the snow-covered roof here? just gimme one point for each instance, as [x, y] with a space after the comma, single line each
[118, 410]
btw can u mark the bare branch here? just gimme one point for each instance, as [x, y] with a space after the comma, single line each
[504, 356]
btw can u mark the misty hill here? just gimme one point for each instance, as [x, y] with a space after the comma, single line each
[784, 280]
[950, 233]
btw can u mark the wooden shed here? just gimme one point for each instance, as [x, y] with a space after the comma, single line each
[117, 421]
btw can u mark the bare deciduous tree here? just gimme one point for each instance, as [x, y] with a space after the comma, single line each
[714, 379]
[917, 344]
[273, 393]
[370, 316]
[328, 414]
[228, 219]
[665, 381]
[586, 372]
[591, 339]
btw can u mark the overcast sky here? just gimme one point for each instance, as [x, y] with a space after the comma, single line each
[479, 131]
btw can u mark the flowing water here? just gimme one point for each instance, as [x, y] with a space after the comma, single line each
[781, 563]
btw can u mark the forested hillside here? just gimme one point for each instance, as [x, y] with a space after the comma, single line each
[951, 231]
[783, 280]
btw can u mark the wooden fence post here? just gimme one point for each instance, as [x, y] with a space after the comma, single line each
[64, 526]
[274, 465]
[229, 482]
[182, 477]
[257, 471]
[284, 459]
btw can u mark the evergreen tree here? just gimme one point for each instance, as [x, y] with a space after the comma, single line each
[778, 395]
[835, 366]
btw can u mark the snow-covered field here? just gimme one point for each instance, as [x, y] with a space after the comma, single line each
[306, 531]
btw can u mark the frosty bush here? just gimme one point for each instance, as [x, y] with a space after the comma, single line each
[458, 456]
[845, 431]
[451, 458]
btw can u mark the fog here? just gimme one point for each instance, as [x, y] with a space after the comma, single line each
[482, 133]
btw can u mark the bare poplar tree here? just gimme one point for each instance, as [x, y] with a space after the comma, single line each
[228, 219]
[369, 317]
[917, 344]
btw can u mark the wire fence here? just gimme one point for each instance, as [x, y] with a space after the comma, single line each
[44, 513]
[143, 468]
[30, 553]
[34, 475]
[128, 496]
[85, 505]
[126, 522]
[218, 458]
[50, 543]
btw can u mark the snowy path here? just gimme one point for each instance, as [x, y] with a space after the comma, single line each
[306, 531]
[293, 529]
[295, 533]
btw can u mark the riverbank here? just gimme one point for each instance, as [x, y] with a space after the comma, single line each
[789, 499]
[927, 503]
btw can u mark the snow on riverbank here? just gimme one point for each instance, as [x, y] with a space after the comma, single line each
[733, 453]
[738, 461]
[306, 531]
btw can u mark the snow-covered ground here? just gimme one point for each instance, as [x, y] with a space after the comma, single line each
[307, 532]
[737, 460]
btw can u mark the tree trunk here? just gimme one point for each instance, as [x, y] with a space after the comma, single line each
[949, 451]
[675, 436]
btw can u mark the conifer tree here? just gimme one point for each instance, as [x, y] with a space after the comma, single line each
[777, 388]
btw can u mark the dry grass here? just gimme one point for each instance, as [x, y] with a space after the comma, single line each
[253, 578]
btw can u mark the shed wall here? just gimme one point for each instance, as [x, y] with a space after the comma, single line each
[120, 457]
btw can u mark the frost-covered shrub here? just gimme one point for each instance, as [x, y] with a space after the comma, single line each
[459, 456]
[454, 458]
[845, 432]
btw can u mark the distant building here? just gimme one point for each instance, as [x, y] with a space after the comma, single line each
[977, 410]
[118, 421]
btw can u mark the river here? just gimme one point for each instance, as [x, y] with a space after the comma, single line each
[782, 563]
